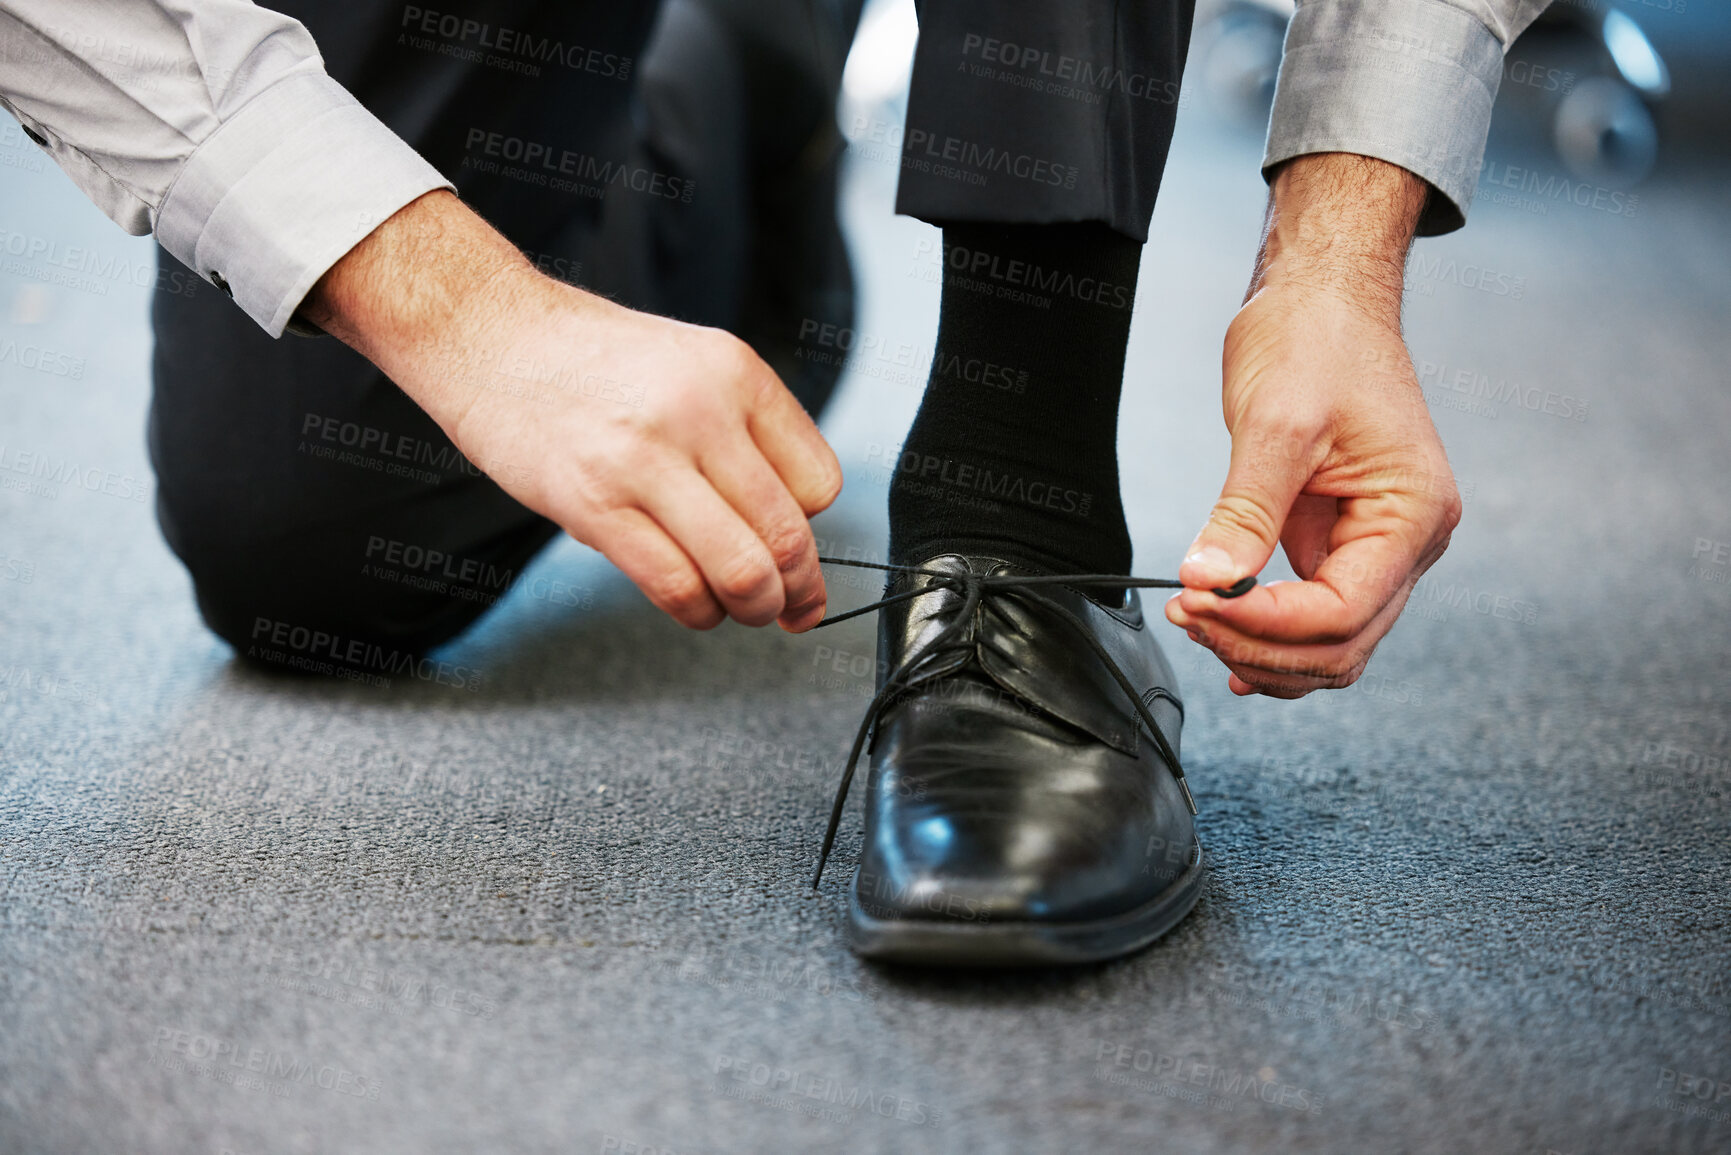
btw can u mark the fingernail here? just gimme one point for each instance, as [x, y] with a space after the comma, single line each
[1215, 563]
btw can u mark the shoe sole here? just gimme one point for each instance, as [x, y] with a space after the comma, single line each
[1023, 943]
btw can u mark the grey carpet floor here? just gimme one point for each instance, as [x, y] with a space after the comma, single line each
[1478, 902]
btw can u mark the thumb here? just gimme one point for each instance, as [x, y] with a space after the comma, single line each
[1245, 524]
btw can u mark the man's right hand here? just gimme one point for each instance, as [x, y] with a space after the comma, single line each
[671, 448]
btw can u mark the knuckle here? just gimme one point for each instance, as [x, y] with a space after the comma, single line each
[1335, 675]
[1452, 511]
[684, 595]
[790, 545]
[617, 463]
[699, 618]
[704, 619]
[738, 362]
[745, 575]
[827, 487]
[651, 435]
[1245, 514]
[1317, 669]
[1349, 668]
[1335, 634]
[1348, 677]
[595, 485]
[1347, 622]
[1274, 687]
[1303, 666]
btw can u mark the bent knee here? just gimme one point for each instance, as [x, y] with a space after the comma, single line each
[276, 606]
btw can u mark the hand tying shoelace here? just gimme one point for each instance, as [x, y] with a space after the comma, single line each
[974, 588]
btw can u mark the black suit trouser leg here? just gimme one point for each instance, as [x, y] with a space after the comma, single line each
[1025, 112]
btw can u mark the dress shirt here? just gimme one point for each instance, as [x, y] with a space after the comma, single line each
[211, 123]
[1406, 81]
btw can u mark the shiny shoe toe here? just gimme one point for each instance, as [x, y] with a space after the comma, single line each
[1024, 805]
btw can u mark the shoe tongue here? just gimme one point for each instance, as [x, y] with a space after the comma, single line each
[1032, 652]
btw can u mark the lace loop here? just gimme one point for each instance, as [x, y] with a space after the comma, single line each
[973, 589]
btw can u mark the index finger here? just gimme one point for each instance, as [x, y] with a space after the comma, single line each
[789, 440]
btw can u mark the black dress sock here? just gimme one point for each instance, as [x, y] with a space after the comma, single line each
[1014, 452]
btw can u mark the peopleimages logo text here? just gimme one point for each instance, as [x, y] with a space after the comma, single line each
[1005, 486]
[1227, 1084]
[65, 471]
[1559, 188]
[511, 42]
[210, 1051]
[1038, 278]
[924, 145]
[323, 652]
[85, 262]
[538, 159]
[805, 1085]
[1060, 67]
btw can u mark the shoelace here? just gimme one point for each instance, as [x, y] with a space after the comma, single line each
[974, 588]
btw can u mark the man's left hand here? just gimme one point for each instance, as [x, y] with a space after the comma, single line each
[1334, 455]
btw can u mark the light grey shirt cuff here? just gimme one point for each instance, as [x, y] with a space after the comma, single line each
[1410, 82]
[286, 186]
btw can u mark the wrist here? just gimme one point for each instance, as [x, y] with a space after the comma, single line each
[1341, 224]
[432, 279]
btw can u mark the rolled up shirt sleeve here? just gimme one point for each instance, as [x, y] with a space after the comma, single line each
[1410, 82]
[213, 124]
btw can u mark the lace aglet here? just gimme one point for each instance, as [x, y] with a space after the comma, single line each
[1184, 789]
[828, 845]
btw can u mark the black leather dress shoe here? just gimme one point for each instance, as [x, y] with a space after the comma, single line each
[1025, 805]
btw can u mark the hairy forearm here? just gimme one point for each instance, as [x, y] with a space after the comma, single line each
[429, 277]
[1341, 223]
